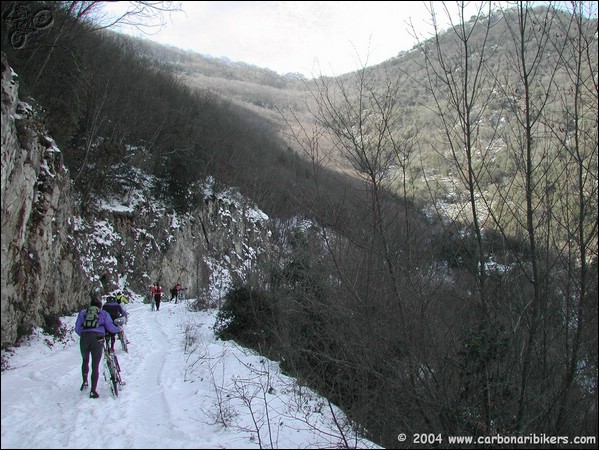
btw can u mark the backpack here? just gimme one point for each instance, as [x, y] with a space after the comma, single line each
[91, 317]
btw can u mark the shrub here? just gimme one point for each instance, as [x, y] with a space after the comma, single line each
[246, 316]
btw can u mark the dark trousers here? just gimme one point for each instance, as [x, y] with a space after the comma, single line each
[91, 343]
[111, 338]
[157, 301]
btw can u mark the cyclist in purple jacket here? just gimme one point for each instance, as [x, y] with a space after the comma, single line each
[115, 310]
[92, 328]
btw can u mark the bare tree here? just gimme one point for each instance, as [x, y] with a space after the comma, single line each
[141, 15]
[548, 205]
[362, 116]
[462, 87]
[534, 83]
[574, 131]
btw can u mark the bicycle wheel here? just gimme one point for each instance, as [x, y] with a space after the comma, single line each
[109, 373]
[113, 370]
[119, 378]
[114, 376]
[123, 340]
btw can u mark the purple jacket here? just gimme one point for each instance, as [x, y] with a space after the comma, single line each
[105, 323]
[114, 309]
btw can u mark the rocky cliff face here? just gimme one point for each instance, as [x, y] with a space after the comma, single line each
[41, 272]
[54, 256]
[132, 240]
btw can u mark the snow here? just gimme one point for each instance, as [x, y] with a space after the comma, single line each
[184, 389]
[116, 206]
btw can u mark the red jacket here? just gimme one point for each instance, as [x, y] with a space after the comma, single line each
[156, 290]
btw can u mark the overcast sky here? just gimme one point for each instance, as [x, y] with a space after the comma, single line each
[308, 37]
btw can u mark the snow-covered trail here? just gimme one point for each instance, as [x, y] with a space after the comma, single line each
[48, 391]
[184, 389]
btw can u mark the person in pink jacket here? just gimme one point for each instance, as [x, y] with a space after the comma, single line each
[91, 325]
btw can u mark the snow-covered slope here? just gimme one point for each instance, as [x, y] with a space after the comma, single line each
[184, 389]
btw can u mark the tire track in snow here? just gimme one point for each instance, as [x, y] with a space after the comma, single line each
[150, 351]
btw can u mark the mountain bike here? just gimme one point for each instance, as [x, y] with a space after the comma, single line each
[112, 370]
[119, 322]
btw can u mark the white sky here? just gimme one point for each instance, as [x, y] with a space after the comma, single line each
[308, 37]
[171, 398]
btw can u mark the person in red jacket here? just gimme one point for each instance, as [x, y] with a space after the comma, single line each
[175, 292]
[157, 293]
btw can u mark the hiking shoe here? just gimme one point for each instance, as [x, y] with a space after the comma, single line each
[84, 386]
[94, 394]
